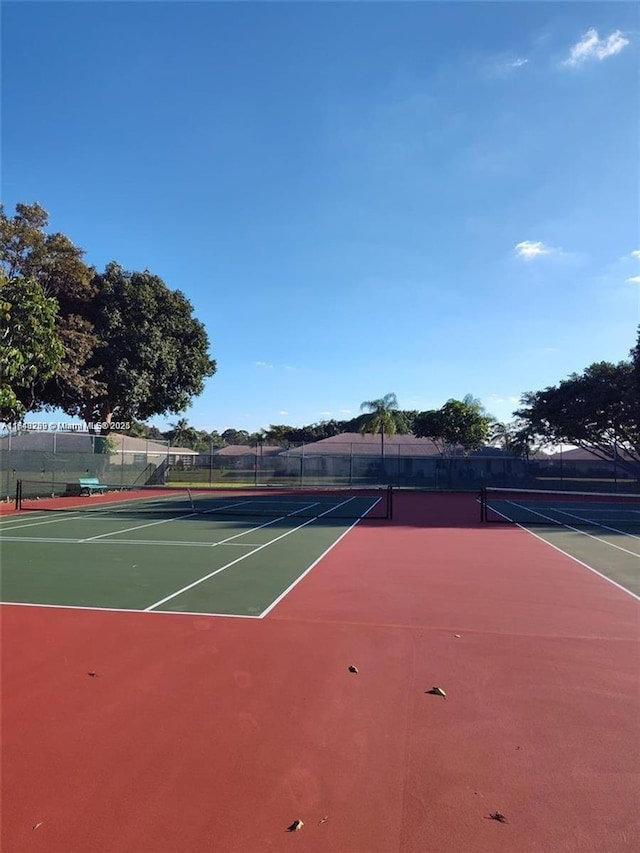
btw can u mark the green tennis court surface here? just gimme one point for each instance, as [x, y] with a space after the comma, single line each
[600, 530]
[163, 553]
[618, 512]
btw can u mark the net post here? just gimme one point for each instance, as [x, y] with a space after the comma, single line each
[18, 502]
[389, 503]
[483, 505]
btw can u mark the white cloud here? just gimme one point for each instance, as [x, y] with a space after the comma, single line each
[529, 250]
[635, 279]
[325, 414]
[344, 411]
[501, 66]
[591, 46]
[283, 412]
[496, 398]
[636, 254]
[262, 364]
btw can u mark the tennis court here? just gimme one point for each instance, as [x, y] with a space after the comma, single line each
[600, 529]
[138, 717]
[171, 549]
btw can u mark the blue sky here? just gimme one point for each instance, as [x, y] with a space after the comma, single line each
[432, 199]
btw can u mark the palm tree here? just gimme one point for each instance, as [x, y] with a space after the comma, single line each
[182, 434]
[514, 438]
[501, 435]
[383, 417]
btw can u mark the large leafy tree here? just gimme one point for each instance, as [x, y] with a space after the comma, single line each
[383, 417]
[30, 348]
[235, 436]
[131, 345]
[596, 410]
[635, 367]
[281, 435]
[56, 264]
[152, 354]
[458, 424]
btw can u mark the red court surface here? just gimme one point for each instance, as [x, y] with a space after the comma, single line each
[215, 734]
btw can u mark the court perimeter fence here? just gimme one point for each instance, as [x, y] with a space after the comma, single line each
[58, 464]
[344, 466]
[402, 466]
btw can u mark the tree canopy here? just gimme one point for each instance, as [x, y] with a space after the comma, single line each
[152, 356]
[458, 424]
[383, 417]
[596, 410]
[57, 265]
[120, 343]
[30, 348]
[516, 438]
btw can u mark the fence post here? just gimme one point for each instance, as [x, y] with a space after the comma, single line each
[255, 466]
[53, 463]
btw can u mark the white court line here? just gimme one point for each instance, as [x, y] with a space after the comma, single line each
[153, 523]
[315, 563]
[98, 513]
[93, 539]
[138, 527]
[99, 540]
[570, 556]
[124, 610]
[171, 542]
[245, 556]
[609, 511]
[568, 526]
[65, 517]
[597, 523]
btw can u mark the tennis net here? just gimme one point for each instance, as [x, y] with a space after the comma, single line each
[616, 511]
[299, 502]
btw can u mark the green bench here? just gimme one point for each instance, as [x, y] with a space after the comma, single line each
[89, 485]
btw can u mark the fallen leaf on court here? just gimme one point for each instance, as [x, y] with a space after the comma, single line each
[324, 819]
[36, 825]
[93, 674]
[457, 636]
[437, 691]
[498, 816]
[295, 826]
[353, 668]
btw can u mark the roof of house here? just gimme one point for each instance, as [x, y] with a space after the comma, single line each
[247, 450]
[349, 443]
[83, 442]
[577, 454]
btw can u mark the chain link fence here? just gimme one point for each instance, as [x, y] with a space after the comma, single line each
[48, 460]
[402, 466]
